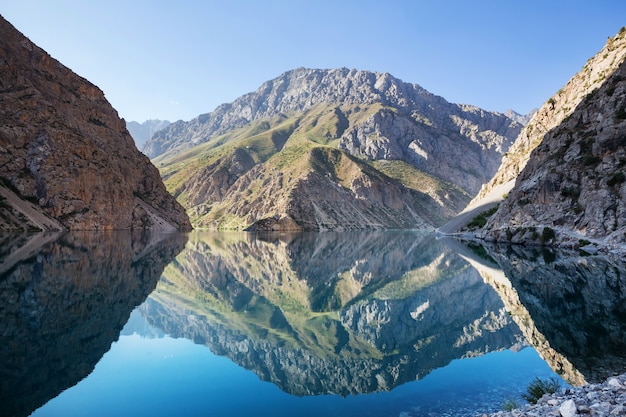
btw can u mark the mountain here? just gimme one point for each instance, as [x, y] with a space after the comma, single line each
[141, 132]
[569, 162]
[522, 119]
[331, 149]
[66, 158]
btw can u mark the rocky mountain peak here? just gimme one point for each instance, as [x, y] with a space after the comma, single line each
[522, 119]
[301, 89]
[66, 158]
[331, 149]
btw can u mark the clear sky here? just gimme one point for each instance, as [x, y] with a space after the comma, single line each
[177, 59]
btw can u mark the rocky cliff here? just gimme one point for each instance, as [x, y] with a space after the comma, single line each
[555, 110]
[378, 148]
[66, 158]
[64, 298]
[572, 158]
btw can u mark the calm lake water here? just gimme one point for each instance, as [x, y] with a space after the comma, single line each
[333, 324]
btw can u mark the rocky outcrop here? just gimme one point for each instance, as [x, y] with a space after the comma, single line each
[573, 183]
[381, 311]
[64, 150]
[63, 300]
[555, 110]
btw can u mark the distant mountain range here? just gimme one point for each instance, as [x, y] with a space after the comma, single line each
[331, 149]
[141, 132]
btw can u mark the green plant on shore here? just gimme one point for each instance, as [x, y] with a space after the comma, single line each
[539, 387]
[510, 405]
[547, 235]
[481, 219]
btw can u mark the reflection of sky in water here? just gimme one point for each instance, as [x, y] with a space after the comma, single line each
[161, 376]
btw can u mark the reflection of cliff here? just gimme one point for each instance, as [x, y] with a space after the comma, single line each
[576, 307]
[330, 313]
[63, 304]
[494, 276]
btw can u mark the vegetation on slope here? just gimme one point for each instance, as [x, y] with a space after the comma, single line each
[249, 174]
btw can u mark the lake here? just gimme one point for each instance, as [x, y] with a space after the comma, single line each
[333, 324]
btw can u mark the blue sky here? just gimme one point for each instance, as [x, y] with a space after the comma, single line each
[177, 59]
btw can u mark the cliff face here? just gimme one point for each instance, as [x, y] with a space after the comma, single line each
[363, 133]
[63, 300]
[573, 182]
[555, 110]
[66, 154]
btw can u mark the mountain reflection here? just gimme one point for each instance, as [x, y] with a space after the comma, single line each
[63, 300]
[577, 307]
[324, 313]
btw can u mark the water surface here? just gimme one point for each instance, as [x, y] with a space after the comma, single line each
[335, 324]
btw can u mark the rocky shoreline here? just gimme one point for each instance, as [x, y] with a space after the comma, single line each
[607, 399]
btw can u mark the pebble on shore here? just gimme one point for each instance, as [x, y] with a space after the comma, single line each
[597, 400]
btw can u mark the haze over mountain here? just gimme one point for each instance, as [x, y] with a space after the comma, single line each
[66, 158]
[331, 149]
[141, 132]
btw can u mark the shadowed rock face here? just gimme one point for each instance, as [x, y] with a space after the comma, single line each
[63, 304]
[569, 162]
[575, 302]
[330, 313]
[65, 151]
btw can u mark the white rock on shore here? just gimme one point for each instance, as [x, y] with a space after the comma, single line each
[597, 400]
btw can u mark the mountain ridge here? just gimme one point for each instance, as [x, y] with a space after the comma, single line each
[339, 134]
[301, 89]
